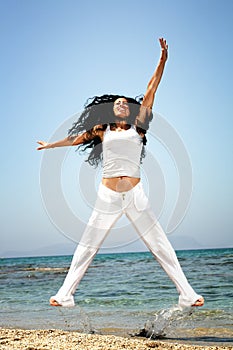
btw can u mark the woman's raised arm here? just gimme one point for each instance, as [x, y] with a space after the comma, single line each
[144, 116]
[153, 84]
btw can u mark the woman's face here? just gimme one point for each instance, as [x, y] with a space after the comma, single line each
[121, 108]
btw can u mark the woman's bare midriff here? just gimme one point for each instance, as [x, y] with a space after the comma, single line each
[120, 184]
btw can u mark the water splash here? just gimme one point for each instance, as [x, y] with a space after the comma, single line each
[80, 322]
[86, 322]
[164, 321]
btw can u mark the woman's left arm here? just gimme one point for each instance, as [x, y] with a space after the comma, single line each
[145, 113]
[153, 84]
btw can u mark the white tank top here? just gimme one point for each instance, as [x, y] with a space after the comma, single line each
[121, 153]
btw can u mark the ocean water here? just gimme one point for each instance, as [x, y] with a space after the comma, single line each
[121, 294]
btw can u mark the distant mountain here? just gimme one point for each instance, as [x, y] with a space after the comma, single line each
[184, 242]
[178, 243]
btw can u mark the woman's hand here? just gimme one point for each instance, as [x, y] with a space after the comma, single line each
[164, 47]
[44, 145]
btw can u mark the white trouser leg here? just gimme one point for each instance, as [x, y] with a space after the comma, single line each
[105, 214]
[156, 240]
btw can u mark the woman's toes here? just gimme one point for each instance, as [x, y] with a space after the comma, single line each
[53, 302]
[199, 302]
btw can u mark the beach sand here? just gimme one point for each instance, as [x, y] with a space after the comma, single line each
[60, 340]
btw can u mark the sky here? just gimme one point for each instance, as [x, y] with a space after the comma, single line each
[55, 55]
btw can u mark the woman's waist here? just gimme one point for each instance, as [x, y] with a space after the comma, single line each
[120, 183]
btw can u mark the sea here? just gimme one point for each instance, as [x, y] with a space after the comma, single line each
[122, 294]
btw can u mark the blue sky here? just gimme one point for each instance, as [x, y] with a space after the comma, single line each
[56, 54]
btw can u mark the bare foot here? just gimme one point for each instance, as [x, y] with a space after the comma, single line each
[199, 302]
[53, 302]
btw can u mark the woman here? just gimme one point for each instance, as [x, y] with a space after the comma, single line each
[114, 129]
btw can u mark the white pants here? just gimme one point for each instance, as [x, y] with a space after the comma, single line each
[110, 206]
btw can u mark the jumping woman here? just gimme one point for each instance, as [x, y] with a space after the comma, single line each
[113, 128]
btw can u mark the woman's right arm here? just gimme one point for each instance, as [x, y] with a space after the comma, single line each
[68, 141]
[73, 140]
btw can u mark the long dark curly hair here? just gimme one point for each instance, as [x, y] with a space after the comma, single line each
[98, 113]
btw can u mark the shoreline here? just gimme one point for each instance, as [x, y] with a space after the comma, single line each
[50, 339]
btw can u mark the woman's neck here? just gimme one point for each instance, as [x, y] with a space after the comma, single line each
[120, 125]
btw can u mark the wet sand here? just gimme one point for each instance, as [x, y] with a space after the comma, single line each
[60, 340]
